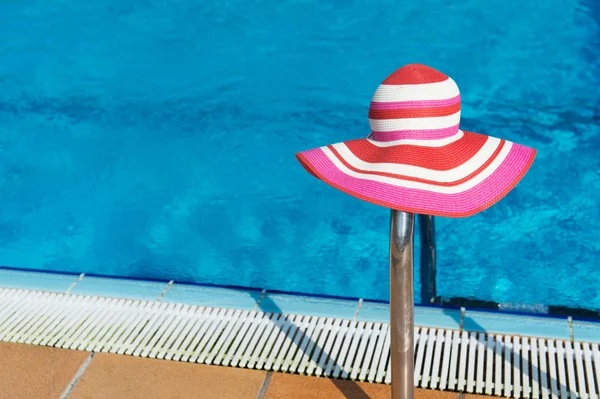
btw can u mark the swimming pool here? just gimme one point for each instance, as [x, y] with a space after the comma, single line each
[157, 139]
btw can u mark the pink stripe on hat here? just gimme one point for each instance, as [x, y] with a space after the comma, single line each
[427, 134]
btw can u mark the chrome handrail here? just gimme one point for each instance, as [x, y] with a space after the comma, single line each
[402, 327]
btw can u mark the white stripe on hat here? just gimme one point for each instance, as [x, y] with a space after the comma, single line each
[417, 92]
[425, 186]
[422, 143]
[442, 176]
[391, 125]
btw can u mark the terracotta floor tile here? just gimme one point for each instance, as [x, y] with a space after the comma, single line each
[28, 371]
[128, 377]
[289, 386]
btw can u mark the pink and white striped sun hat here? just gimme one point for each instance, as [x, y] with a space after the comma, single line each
[416, 158]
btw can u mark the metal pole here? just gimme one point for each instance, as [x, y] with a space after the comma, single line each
[402, 326]
[428, 289]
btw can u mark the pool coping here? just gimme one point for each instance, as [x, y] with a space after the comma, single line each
[274, 301]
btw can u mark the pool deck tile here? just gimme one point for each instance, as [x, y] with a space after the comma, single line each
[119, 288]
[37, 281]
[293, 304]
[502, 323]
[290, 386]
[424, 316]
[125, 377]
[28, 371]
[586, 331]
[213, 296]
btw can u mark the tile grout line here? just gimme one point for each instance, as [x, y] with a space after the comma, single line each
[265, 385]
[81, 276]
[360, 302]
[78, 376]
[571, 335]
[167, 288]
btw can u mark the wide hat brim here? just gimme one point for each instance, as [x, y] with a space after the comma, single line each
[457, 176]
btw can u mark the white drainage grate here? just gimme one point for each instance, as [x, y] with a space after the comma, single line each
[502, 365]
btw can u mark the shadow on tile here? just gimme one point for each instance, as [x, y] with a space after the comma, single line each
[349, 389]
[288, 386]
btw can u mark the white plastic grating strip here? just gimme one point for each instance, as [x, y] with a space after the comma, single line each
[502, 365]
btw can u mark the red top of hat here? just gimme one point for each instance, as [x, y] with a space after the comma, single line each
[414, 74]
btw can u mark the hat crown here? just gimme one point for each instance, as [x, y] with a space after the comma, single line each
[416, 102]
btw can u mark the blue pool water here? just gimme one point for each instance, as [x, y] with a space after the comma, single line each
[156, 139]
